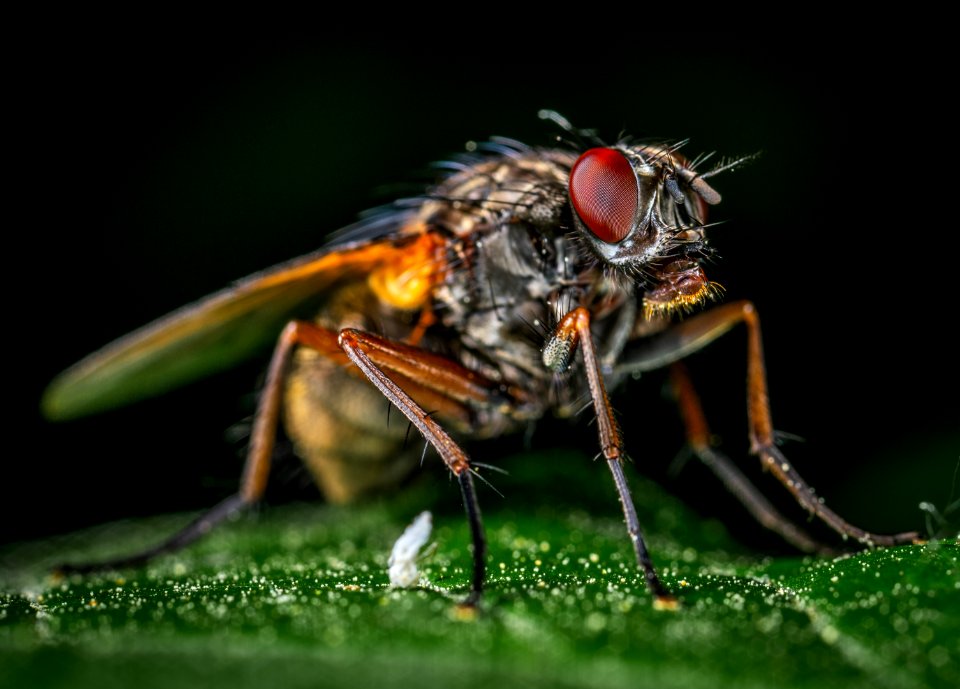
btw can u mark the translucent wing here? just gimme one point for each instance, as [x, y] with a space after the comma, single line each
[227, 327]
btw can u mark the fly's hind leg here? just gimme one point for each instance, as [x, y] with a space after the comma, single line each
[255, 473]
[449, 387]
[695, 333]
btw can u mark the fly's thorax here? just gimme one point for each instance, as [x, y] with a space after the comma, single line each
[502, 215]
[497, 301]
[523, 185]
[506, 300]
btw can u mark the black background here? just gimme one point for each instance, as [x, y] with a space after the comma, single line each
[152, 172]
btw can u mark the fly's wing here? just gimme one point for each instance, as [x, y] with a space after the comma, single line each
[226, 327]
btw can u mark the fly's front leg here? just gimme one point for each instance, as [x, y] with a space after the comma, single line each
[693, 334]
[574, 330]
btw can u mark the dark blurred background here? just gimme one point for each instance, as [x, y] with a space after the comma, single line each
[153, 172]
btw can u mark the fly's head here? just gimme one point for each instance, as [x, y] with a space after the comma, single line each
[641, 210]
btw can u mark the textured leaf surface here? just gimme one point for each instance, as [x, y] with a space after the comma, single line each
[298, 596]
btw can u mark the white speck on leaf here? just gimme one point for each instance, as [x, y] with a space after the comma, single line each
[403, 560]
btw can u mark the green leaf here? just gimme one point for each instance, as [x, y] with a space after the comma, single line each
[298, 596]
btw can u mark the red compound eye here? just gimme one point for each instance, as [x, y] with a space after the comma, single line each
[603, 189]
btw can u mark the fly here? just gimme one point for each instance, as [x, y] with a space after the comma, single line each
[429, 303]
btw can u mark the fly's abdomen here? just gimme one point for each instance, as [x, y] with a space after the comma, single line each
[338, 425]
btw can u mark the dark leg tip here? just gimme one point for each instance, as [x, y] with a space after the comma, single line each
[468, 610]
[665, 601]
